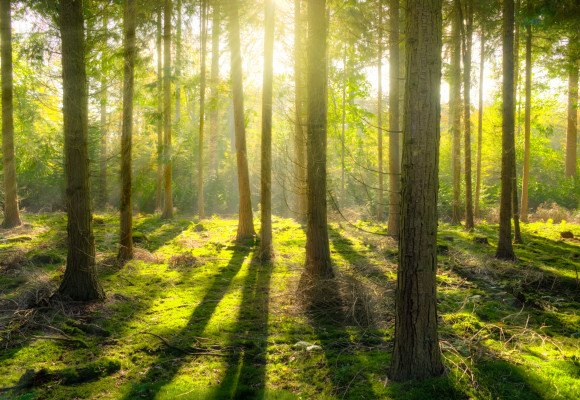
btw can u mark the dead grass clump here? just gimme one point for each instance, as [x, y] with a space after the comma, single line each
[142, 254]
[13, 261]
[183, 260]
[553, 211]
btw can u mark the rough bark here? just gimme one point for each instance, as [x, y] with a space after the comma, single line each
[455, 110]
[416, 353]
[266, 249]
[527, 119]
[572, 125]
[203, 28]
[103, 145]
[214, 79]
[80, 281]
[380, 202]
[479, 124]
[11, 213]
[394, 130]
[126, 209]
[167, 190]
[467, 113]
[245, 218]
[159, 196]
[299, 120]
[178, 50]
[504, 246]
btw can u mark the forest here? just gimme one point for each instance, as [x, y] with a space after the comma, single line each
[289, 199]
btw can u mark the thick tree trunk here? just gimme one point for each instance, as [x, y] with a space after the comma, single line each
[80, 281]
[479, 124]
[514, 174]
[103, 146]
[299, 121]
[416, 352]
[467, 114]
[455, 110]
[394, 130]
[380, 202]
[160, 163]
[126, 209]
[245, 219]
[266, 249]
[572, 129]
[167, 192]
[214, 78]
[318, 266]
[178, 50]
[11, 213]
[203, 26]
[527, 119]
[504, 246]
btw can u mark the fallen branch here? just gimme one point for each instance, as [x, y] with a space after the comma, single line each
[182, 350]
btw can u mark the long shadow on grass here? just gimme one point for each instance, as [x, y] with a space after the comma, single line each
[156, 378]
[156, 235]
[246, 372]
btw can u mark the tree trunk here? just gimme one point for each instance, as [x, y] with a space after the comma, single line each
[215, 77]
[11, 213]
[167, 197]
[80, 281]
[479, 124]
[416, 352]
[394, 130]
[455, 110]
[572, 130]
[299, 133]
[467, 114]
[203, 22]
[266, 250]
[178, 50]
[380, 202]
[343, 132]
[160, 163]
[527, 118]
[126, 209]
[245, 219]
[504, 246]
[514, 178]
[318, 266]
[103, 147]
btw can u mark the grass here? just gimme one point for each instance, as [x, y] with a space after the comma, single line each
[196, 316]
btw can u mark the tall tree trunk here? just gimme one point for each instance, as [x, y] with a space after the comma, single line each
[11, 213]
[516, 63]
[572, 129]
[103, 147]
[160, 163]
[318, 266]
[479, 123]
[203, 22]
[167, 197]
[266, 250]
[215, 77]
[380, 202]
[455, 110]
[467, 113]
[343, 132]
[80, 281]
[527, 118]
[504, 246]
[178, 50]
[416, 353]
[394, 130]
[126, 209]
[299, 121]
[245, 219]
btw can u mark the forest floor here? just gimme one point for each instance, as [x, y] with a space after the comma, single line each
[195, 315]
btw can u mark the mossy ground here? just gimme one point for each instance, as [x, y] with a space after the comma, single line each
[196, 316]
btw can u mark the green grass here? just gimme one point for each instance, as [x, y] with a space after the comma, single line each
[195, 316]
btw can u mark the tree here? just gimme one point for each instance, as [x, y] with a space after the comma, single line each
[126, 209]
[454, 106]
[468, 39]
[160, 163]
[318, 266]
[299, 97]
[245, 218]
[572, 129]
[103, 147]
[504, 246]
[416, 352]
[479, 121]
[394, 130]
[167, 198]
[266, 250]
[203, 25]
[527, 118]
[11, 213]
[80, 281]
[214, 79]
[380, 200]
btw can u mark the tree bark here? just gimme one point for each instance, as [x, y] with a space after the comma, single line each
[394, 134]
[167, 197]
[160, 163]
[11, 213]
[266, 249]
[504, 246]
[103, 146]
[245, 219]
[214, 78]
[178, 51]
[455, 110]
[299, 132]
[343, 131]
[80, 281]
[203, 25]
[479, 124]
[467, 113]
[380, 202]
[527, 118]
[126, 209]
[416, 352]
[572, 125]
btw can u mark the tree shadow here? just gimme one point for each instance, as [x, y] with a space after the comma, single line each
[151, 232]
[155, 379]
